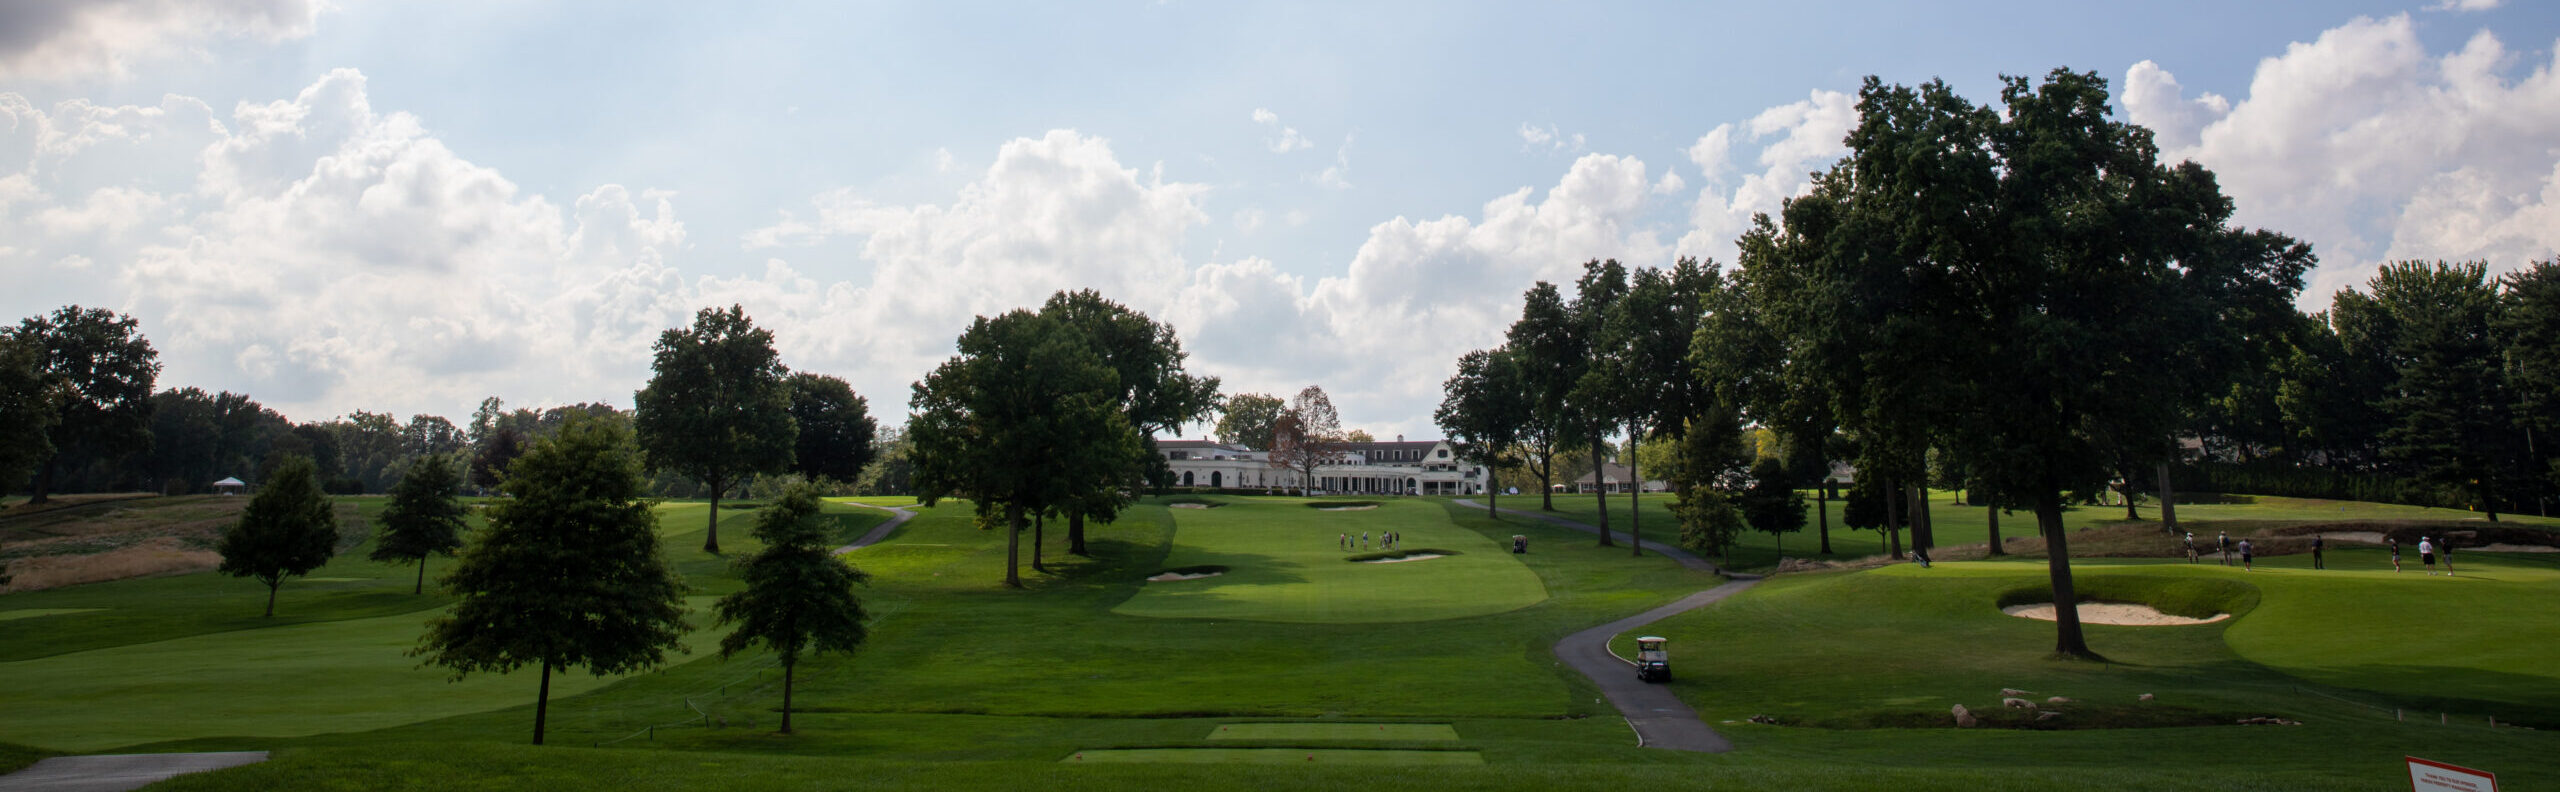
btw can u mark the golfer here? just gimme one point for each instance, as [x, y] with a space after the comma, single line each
[2316, 563]
[2447, 549]
[2244, 557]
[2427, 554]
[2191, 547]
[2223, 539]
[2395, 553]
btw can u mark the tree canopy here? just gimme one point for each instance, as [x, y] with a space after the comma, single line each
[1246, 419]
[101, 371]
[425, 516]
[567, 574]
[717, 408]
[289, 529]
[1485, 408]
[833, 441]
[1307, 436]
[799, 594]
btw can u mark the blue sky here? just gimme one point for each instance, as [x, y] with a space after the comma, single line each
[406, 206]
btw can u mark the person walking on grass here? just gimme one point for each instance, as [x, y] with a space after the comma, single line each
[1344, 542]
[2447, 550]
[2223, 540]
[2316, 562]
[2245, 557]
[2394, 542]
[2427, 554]
[2191, 548]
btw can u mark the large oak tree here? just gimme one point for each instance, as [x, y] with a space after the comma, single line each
[718, 409]
[101, 371]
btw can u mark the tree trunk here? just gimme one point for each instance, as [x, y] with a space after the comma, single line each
[2488, 497]
[1822, 514]
[2068, 639]
[1924, 534]
[1075, 533]
[1892, 516]
[44, 481]
[1991, 514]
[1013, 545]
[2131, 512]
[787, 667]
[422, 576]
[1634, 495]
[542, 703]
[1601, 485]
[271, 596]
[1547, 477]
[1492, 494]
[711, 536]
[2168, 502]
[1039, 537]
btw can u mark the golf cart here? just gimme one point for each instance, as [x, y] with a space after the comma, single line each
[1652, 664]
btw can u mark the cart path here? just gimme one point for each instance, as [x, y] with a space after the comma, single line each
[898, 515]
[118, 772]
[1660, 719]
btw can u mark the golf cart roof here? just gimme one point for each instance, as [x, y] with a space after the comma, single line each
[1652, 638]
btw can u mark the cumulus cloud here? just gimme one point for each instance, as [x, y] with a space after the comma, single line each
[52, 39]
[1289, 139]
[2374, 149]
[2465, 5]
[1793, 140]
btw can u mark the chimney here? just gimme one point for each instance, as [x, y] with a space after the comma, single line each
[1399, 438]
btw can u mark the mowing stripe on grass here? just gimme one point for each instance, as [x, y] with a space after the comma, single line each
[1383, 732]
[30, 613]
[1289, 756]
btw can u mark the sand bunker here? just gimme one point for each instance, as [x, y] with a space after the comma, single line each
[2503, 547]
[1173, 576]
[2367, 537]
[2123, 613]
[1346, 508]
[1413, 557]
[1191, 505]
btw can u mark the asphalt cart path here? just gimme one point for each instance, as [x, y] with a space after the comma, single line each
[118, 772]
[898, 515]
[1660, 720]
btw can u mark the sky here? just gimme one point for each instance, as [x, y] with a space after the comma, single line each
[406, 207]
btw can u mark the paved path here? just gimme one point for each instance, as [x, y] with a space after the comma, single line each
[118, 772]
[1660, 719]
[898, 515]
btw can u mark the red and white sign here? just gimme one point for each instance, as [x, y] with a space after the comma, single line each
[2426, 776]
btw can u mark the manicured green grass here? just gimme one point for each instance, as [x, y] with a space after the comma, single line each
[1285, 562]
[30, 613]
[1287, 756]
[1335, 731]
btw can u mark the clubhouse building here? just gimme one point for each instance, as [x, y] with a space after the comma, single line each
[1425, 467]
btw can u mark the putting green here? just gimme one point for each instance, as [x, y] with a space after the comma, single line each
[2485, 633]
[1290, 756]
[1385, 732]
[29, 613]
[1284, 563]
[294, 680]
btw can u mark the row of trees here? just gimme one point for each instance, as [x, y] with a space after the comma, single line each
[2024, 291]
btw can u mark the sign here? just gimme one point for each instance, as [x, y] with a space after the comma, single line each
[2426, 776]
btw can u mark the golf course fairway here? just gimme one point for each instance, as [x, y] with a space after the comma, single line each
[1283, 562]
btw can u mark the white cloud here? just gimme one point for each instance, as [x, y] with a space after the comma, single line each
[52, 39]
[1549, 138]
[1338, 175]
[2465, 5]
[1800, 138]
[1289, 139]
[2374, 149]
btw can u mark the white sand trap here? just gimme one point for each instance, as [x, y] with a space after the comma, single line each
[1399, 559]
[2367, 537]
[2124, 613]
[1169, 577]
[2503, 547]
[1191, 505]
[1346, 508]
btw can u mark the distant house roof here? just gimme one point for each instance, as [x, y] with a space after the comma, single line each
[1197, 444]
[1615, 472]
[231, 482]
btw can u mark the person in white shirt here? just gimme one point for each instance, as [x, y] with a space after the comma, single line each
[2427, 554]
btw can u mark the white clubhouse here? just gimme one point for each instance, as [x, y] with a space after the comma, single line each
[1422, 467]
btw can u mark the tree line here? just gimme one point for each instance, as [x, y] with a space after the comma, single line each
[2024, 303]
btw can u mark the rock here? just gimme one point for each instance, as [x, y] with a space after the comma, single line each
[2146, 697]
[1964, 717]
[2014, 692]
[2058, 700]
[2017, 703]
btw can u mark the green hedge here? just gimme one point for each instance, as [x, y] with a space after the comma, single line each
[2293, 481]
